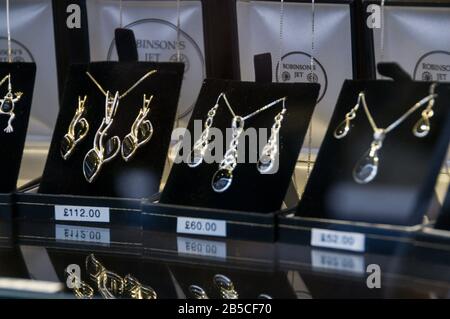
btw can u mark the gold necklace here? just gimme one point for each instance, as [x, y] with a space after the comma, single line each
[105, 93]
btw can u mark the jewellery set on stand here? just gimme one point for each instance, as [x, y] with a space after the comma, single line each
[104, 151]
[8, 102]
[366, 168]
[109, 284]
[223, 177]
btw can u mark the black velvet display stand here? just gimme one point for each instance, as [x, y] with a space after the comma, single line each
[408, 165]
[443, 221]
[140, 177]
[250, 190]
[12, 144]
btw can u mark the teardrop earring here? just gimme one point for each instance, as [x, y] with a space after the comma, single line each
[141, 131]
[423, 125]
[77, 131]
[343, 128]
[268, 155]
[197, 154]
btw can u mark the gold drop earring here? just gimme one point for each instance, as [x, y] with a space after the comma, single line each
[141, 131]
[78, 130]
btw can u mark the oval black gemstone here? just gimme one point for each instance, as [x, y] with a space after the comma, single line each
[66, 146]
[222, 180]
[111, 147]
[145, 130]
[91, 165]
[128, 146]
[7, 105]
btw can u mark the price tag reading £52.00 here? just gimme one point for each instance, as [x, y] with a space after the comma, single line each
[337, 240]
[201, 226]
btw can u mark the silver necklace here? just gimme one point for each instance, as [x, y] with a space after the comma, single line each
[223, 177]
[366, 168]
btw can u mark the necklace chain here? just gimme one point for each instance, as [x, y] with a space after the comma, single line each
[402, 118]
[127, 91]
[262, 109]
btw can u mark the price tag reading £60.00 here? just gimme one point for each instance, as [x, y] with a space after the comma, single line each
[82, 214]
[200, 226]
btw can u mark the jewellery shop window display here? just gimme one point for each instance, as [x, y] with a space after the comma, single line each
[377, 167]
[110, 143]
[16, 95]
[302, 34]
[233, 174]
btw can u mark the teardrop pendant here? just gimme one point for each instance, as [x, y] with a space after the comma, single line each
[265, 164]
[342, 129]
[222, 180]
[422, 127]
[366, 168]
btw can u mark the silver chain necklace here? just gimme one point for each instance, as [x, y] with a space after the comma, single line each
[366, 168]
[223, 177]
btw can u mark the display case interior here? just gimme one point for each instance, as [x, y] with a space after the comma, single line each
[414, 36]
[407, 165]
[14, 117]
[252, 195]
[122, 182]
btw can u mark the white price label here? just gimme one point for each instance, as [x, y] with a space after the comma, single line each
[338, 240]
[82, 234]
[337, 261]
[197, 247]
[82, 214]
[201, 226]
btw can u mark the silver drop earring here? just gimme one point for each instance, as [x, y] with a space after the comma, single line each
[270, 151]
[223, 177]
[423, 126]
[103, 152]
[7, 104]
[141, 132]
[197, 154]
[343, 128]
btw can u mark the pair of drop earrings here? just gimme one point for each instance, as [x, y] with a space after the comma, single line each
[8, 103]
[223, 177]
[366, 168]
[104, 151]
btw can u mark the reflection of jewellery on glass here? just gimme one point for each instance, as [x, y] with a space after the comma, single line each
[141, 131]
[198, 292]
[104, 152]
[264, 296]
[223, 177]
[80, 289]
[110, 285]
[136, 290]
[366, 168]
[78, 129]
[226, 287]
[94, 268]
[7, 104]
